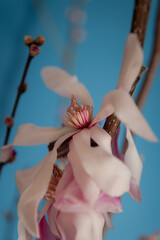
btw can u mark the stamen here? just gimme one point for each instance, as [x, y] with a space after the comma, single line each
[78, 116]
[55, 178]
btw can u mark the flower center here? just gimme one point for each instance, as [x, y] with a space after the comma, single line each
[78, 116]
[55, 178]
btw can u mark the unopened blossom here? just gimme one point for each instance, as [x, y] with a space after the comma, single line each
[97, 172]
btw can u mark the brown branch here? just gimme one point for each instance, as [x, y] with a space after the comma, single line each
[152, 70]
[139, 23]
[152, 67]
[34, 50]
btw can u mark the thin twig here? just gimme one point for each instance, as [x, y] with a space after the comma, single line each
[34, 50]
[152, 66]
[19, 93]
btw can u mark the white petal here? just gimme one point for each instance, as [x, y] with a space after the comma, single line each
[22, 233]
[131, 63]
[101, 137]
[65, 85]
[110, 174]
[31, 197]
[80, 226]
[126, 110]
[25, 177]
[52, 215]
[30, 134]
[132, 159]
[45, 208]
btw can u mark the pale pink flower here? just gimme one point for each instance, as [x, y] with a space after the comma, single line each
[95, 169]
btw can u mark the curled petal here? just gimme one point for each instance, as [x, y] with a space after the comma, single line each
[7, 153]
[52, 218]
[81, 225]
[110, 174]
[22, 233]
[31, 197]
[101, 137]
[30, 134]
[105, 203]
[132, 159]
[69, 197]
[134, 190]
[65, 85]
[131, 63]
[33, 194]
[126, 110]
[108, 220]
[115, 148]
[25, 177]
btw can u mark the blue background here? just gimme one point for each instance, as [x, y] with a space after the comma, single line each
[97, 63]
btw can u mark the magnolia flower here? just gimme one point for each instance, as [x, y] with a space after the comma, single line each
[95, 169]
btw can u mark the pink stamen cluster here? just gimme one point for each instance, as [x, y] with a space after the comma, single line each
[78, 116]
[55, 178]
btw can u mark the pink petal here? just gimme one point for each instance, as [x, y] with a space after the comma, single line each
[30, 134]
[126, 110]
[89, 188]
[135, 191]
[31, 197]
[132, 159]
[105, 203]
[6, 152]
[95, 164]
[45, 233]
[65, 85]
[69, 197]
[108, 220]
[22, 233]
[78, 226]
[131, 63]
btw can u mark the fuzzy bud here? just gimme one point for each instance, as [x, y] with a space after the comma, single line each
[28, 40]
[34, 50]
[40, 40]
[23, 87]
[8, 121]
